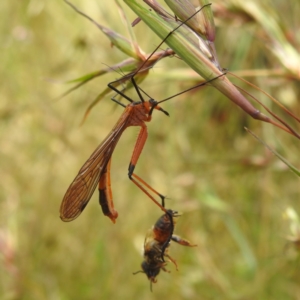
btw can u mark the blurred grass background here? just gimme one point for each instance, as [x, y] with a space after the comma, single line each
[231, 191]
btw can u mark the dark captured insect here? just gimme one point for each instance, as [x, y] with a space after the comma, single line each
[156, 246]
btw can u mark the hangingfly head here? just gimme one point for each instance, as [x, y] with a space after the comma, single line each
[154, 105]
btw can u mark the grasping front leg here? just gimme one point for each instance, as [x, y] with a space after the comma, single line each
[139, 145]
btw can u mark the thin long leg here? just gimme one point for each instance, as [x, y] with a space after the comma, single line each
[137, 88]
[138, 147]
[162, 197]
[139, 182]
[110, 85]
[117, 101]
[147, 193]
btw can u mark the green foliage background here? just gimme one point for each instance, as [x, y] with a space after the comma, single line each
[231, 191]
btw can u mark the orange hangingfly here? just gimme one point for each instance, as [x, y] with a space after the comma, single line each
[96, 170]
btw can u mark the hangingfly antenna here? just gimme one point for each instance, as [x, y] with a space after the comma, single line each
[167, 36]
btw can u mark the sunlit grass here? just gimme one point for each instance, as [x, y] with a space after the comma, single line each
[231, 191]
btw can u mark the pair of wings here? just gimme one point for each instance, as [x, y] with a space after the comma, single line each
[83, 186]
